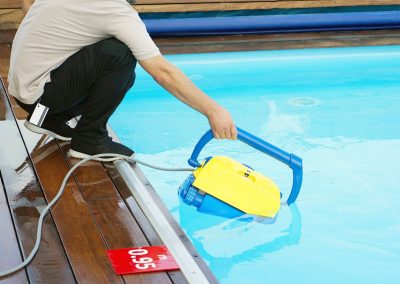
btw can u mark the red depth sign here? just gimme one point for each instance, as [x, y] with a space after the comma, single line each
[142, 259]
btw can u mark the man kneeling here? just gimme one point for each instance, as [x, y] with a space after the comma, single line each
[78, 58]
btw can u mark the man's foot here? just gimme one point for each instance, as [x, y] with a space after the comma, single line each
[111, 147]
[54, 128]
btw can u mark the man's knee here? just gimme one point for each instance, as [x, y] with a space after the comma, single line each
[123, 59]
[119, 51]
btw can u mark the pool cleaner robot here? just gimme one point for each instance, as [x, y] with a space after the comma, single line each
[222, 186]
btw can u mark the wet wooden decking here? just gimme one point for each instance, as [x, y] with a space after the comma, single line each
[92, 216]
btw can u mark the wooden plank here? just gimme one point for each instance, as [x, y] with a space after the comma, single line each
[4, 63]
[151, 234]
[9, 242]
[4, 66]
[3, 107]
[5, 50]
[4, 4]
[7, 36]
[276, 41]
[10, 4]
[10, 18]
[147, 2]
[81, 238]
[25, 199]
[320, 2]
[117, 225]
[19, 113]
[259, 5]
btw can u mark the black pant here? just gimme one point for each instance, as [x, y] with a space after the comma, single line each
[91, 83]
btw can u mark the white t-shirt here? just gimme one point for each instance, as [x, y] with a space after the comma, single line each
[53, 30]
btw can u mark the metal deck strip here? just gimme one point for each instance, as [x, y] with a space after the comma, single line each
[185, 260]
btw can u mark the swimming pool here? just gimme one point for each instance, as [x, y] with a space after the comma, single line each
[336, 108]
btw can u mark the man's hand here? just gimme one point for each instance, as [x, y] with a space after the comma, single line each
[179, 85]
[222, 124]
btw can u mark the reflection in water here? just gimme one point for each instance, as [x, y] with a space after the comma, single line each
[225, 243]
[304, 102]
[283, 124]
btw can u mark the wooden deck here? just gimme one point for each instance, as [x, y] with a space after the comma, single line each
[96, 212]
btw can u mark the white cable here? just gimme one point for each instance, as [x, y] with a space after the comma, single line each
[160, 168]
[60, 192]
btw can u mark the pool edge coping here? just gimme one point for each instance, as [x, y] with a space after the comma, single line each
[143, 192]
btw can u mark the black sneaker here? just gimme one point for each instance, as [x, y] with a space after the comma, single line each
[52, 126]
[85, 151]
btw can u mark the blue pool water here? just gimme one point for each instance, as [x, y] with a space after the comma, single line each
[338, 109]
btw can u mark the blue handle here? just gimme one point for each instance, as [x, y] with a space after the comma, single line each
[293, 161]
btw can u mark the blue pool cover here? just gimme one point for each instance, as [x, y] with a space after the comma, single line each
[274, 23]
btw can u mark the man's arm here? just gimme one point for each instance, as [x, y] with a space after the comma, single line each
[26, 5]
[178, 84]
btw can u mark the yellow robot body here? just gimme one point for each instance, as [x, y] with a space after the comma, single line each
[238, 186]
